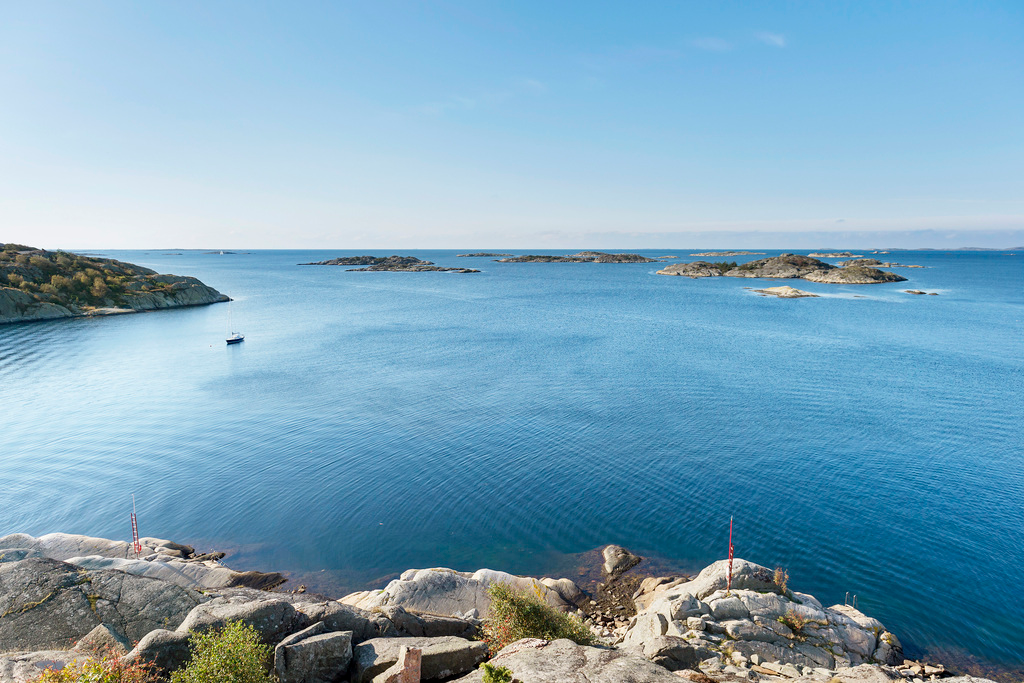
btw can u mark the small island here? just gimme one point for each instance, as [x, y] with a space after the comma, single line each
[36, 284]
[874, 263]
[784, 292]
[833, 254]
[395, 264]
[730, 253]
[581, 257]
[785, 266]
[481, 254]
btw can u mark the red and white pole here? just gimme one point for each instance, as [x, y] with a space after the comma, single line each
[728, 587]
[136, 546]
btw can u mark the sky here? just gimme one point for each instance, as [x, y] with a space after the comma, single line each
[511, 124]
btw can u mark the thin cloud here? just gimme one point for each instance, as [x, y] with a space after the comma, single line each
[773, 39]
[712, 44]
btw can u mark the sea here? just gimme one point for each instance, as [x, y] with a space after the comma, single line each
[869, 441]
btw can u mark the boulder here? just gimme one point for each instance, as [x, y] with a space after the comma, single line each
[451, 593]
[618, 560]
[865, 673]
[428, 625]
[339, 617]
[313, 655]
[191, 574]
[103, 638]
[23, 667]
[563, 661]
[442, 657]
[273, 618]
[168, 650]
[46, 603]
[675, 653]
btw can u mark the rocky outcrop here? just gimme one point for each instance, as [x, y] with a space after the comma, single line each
[563, 661]
[581, 257]
[729, 253]
[442, 658]
[784, 292]
[695, 269]
[44, 285]
[787, 266]
[831, 254]
[853, 275]
[159, 559]
[413, 269]
[394, 261]
[48, 604]
[313, 655]
[861, 262]
[481, 254]
[460, 594]
[760, 618]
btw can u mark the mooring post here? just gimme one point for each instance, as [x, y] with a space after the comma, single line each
[728, 587]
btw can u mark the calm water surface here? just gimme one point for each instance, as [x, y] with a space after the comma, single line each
[373, 422]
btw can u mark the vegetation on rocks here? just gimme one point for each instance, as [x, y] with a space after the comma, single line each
[496, 674]
[233, 654]
[104, 669]
[35, 283]
[517, 614]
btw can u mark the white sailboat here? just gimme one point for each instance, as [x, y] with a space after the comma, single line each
[233, 337]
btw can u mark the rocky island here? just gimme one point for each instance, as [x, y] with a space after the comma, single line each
[36, 284]
[730, 253]
[64, 598]
[785, 266]
[395, 264]
[832, 254]
[875, 263]
[581, 257]
[481, 254]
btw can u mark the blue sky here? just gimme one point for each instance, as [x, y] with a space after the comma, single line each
[451, 124]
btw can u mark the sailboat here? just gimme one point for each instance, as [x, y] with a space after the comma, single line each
[233, 337]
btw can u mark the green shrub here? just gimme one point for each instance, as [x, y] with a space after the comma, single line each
[107, 669]
[496, 674]
[233, 654]
[518, 614]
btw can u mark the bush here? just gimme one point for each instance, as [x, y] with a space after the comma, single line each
[233, 654]
[106, 669]
[517, 614]
[496, 674]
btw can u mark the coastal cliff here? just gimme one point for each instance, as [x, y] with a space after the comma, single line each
[36, 284]
[63, 596]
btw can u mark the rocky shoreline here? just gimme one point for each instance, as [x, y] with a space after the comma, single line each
[785, 266]
[63, 596]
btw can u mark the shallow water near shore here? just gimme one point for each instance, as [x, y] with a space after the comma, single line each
[373, 422]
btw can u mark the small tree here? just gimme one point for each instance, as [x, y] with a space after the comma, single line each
[233, 654]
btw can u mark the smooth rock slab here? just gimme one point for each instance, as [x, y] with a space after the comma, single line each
[563, 661]
[272, 618]
[442, 657]
[313, 655]
[168, 650]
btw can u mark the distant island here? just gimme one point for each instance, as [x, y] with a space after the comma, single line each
[833, 254]
[480, 254]
[874, 263]
[785, 266]
[396, 264]
[730, 253]
[36, 284]
[581, 257]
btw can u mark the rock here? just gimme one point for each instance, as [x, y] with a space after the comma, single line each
[863, 262]
[442, 657]
[581, 257]
[728, 253]
[428, 625]
[50, 604]
[408, 668]
[692, 270]
[272, 618]
[23, 667]
[192, 574]
[674, 653]
[618, 560]
[782, 266]
[831, 254]
[865, 673]
[103, 638]
[313, 655]
[338, 617]
[563, 661]
[785, 292]
[853, 275]
[168, 650]
[481, 254]
[450, 593]
[386, 261]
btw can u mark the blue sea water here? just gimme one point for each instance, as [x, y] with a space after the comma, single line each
[870, 441]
